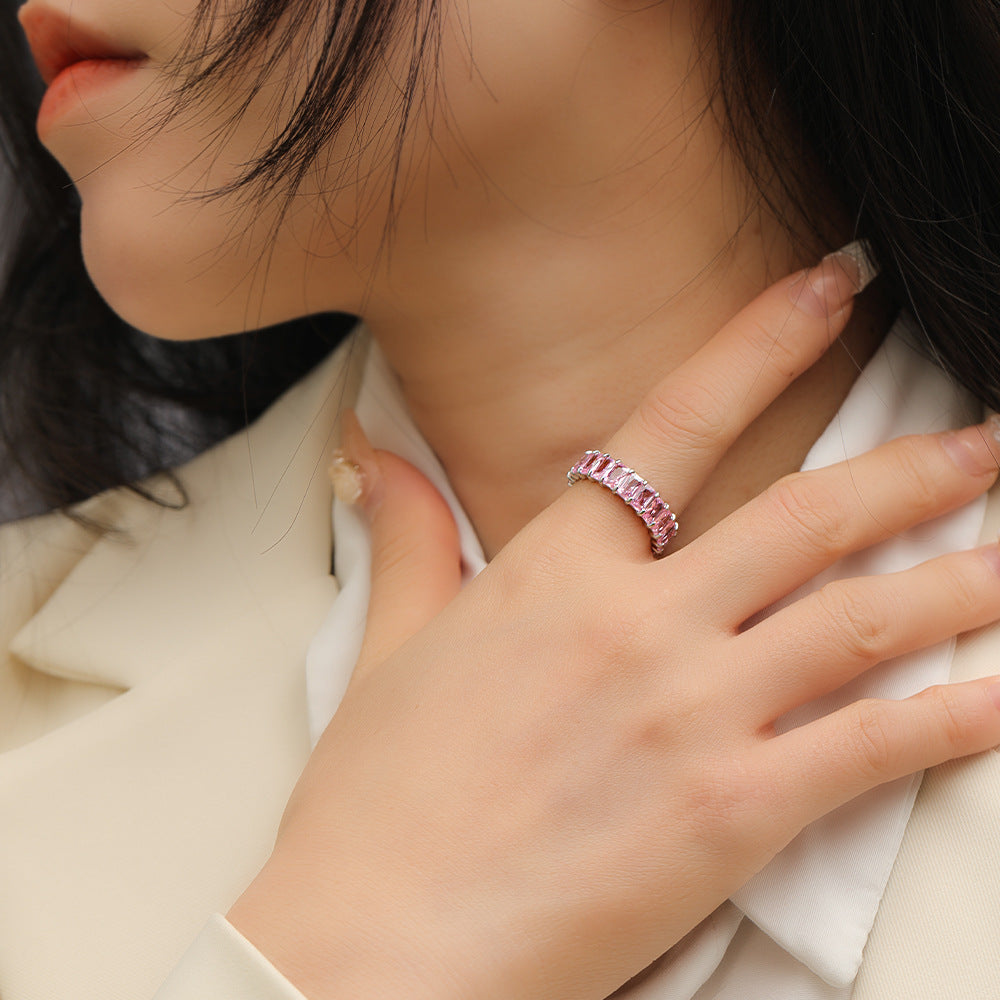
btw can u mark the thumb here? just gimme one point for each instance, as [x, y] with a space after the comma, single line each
[416, 558]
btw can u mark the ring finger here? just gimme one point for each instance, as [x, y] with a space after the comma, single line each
[830, 761]
[829, 637]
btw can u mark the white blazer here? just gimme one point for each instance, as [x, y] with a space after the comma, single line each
[153, 724]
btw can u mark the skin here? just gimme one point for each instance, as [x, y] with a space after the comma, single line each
[561, 801]
[575, 232]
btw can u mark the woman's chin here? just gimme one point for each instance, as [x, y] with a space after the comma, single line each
[150, 287]
[196, 280]
[142, 301]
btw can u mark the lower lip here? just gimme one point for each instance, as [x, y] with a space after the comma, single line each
[78, 82]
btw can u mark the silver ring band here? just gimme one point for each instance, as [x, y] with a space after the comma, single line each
[624, 482]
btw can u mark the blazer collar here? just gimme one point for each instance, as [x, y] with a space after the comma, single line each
[936, 930]
[255, 536]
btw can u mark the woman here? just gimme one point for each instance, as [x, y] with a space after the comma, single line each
[539, 785]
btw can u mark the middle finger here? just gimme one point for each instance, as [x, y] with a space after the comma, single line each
[807, 521]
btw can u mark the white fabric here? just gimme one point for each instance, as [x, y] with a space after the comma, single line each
[811, 909]
[388, 425]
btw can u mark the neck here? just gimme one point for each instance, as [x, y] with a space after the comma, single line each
[527, 307]
[542, 364]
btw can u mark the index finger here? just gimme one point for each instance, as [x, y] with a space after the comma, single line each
[685, 425]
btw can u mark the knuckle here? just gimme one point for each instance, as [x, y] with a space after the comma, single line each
[873, 744]
[734, 806]
[920, 485]
[781, 352]
[688, 410]
[815, 517]
[671, 712]
[962, 595]
[864, 628]
[513, 574]
[394, 555]
[526, 579]
[616, 637]
[953, 717]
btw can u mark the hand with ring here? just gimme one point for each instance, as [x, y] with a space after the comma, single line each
[536, 786]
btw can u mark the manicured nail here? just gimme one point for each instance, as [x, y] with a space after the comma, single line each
[827, 288]
[346, 478]
[994, 427]
[970, 450]
[858, 255]
[354, 470]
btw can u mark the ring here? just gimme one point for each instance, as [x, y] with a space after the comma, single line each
[624, 482]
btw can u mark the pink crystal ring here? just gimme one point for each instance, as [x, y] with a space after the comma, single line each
[634, 490]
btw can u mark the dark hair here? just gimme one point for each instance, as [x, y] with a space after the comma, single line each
[892, 107]
[896, 104]
[87, 402]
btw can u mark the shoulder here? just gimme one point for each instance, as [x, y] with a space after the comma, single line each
[265, 464]
[107, 606]
[152, 712]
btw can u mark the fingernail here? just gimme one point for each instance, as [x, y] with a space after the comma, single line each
[346, 478]
[991, 553]
[994, 692]
[856, 259]
[354, 470]
[827, 288]
[969, 449]
[994, 427]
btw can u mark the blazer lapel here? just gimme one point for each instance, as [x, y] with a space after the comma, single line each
[124, 825]
[937, 931]
[36, 556]
[256, 532]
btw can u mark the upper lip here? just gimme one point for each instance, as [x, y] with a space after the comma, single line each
[58, 41]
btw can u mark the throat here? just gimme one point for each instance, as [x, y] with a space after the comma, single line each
[507, 433]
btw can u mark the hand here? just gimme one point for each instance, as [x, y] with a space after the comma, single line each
[536, 786]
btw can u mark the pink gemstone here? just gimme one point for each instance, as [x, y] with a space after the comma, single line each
[614, 475]
[646, 494]
[601, 466]
[652, 511]
[628, 489]
[588, 462]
